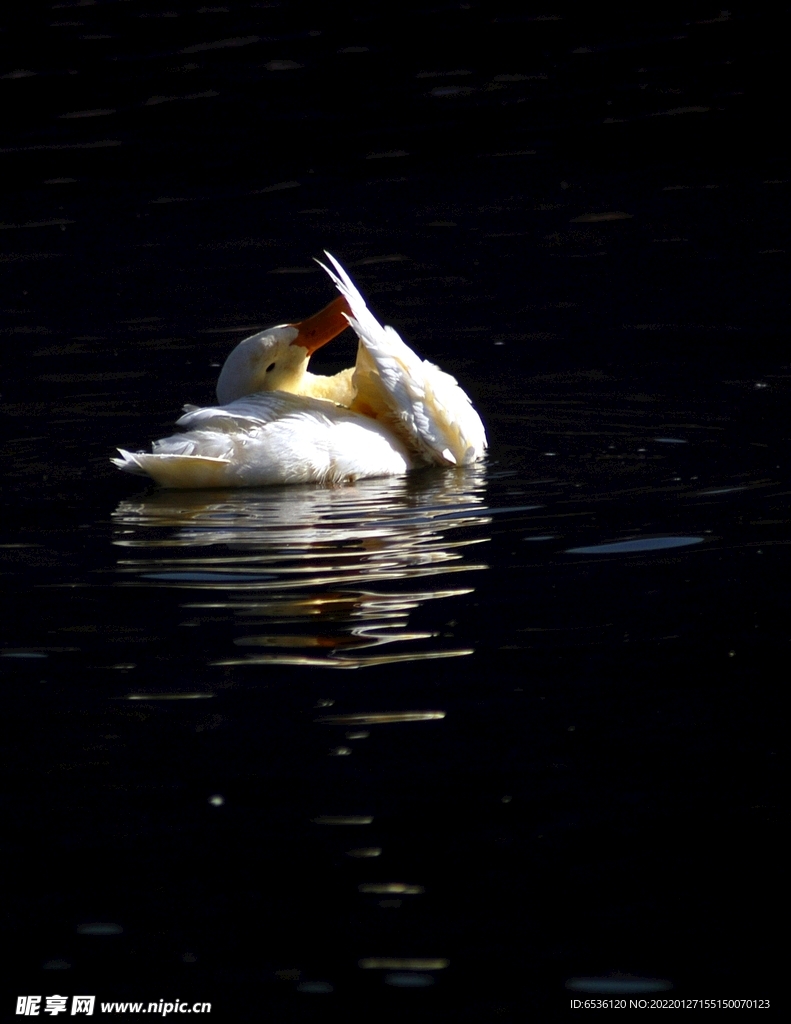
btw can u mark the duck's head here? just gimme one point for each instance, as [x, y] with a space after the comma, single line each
[277, 359]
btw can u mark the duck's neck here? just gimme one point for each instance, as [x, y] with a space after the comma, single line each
[338, 389]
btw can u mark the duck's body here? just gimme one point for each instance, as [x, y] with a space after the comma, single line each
[272, 438]
[279, 424]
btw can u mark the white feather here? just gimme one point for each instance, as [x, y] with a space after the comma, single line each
[272, 438]
[424, 405]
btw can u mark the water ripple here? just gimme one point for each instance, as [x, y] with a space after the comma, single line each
[626, 547]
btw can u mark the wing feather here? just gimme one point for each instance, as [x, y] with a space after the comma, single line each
[422, 403]
[250, 412]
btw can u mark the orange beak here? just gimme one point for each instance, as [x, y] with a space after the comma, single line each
[323, 326]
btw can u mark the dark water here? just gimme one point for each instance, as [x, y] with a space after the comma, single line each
[446, 744]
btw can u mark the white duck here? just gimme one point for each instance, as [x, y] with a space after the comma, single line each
[278, 424]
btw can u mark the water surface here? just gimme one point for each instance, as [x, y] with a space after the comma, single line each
[468, 742]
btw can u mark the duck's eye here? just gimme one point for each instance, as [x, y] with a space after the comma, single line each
[270, 368]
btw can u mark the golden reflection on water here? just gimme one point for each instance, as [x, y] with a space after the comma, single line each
[393, 963]
[388, 888]
[320, 572]
[381, 718]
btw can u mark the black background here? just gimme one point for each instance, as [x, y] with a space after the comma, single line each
[169, 173]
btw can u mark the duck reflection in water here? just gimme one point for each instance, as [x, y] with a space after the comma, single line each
[293, 559]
